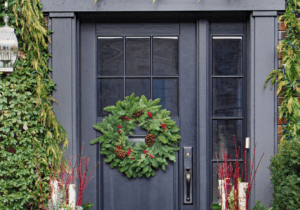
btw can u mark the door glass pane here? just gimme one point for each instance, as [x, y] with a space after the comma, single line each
[167, 91]
[110, 91]
[165, 56]
[227, 55]
[138, 87]
[110, 56]
[227, 97]
[223, 134]
[138, 56]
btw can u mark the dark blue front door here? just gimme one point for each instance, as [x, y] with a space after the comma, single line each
[157, 60]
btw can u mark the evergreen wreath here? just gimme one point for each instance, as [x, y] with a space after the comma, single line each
[142, 158]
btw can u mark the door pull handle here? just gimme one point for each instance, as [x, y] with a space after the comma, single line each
[187, 191]
[188, 184]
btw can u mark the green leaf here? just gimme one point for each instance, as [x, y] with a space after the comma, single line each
[172, 158]
[94, 141]
[215, 206]
[87, 206]
[110, 108]
[163, 139]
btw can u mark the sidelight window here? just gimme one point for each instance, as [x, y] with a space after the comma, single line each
[227, 116]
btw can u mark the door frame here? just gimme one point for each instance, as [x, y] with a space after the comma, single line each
[261, 60]
[202, 152]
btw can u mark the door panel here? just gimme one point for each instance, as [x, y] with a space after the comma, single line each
[172, 77]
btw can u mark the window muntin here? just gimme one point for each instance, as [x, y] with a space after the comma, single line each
[144, 65]
[227, 100]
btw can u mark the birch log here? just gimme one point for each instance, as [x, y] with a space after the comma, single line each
[242, 195]
[222, 193]
[55, 190]
[72, 196]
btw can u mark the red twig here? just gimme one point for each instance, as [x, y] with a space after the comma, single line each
[82, 172]
[229, 175]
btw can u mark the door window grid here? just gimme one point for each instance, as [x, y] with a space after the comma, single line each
[220, 122]
[154, 78]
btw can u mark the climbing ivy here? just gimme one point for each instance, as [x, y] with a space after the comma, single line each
[285, 164]
[287, 79]
[30, 134]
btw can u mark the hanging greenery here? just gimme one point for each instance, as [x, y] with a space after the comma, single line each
[287, 79]
[285, 164]
[27, 122]
[154, 152]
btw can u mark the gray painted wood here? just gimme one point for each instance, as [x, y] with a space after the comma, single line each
[265, 109]
[187, 104]
[75, 88]
[62, 75]
[262, 102]
[138, 29]
[109, 188]
[62, 14]
[160, 5]
[88, 100]
[251, 90]
[227, 28]
[275, 86]
[264, 13]
[203, 111]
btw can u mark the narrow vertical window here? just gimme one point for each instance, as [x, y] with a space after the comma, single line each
[227, 100]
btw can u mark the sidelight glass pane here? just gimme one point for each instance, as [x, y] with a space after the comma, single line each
[227, 97]
[167, 90]
[110, 91]
[138, 87]
[227, 55]
[138, 56]
[110, 56]
[223, 132]
[165, 56]
[216, 197]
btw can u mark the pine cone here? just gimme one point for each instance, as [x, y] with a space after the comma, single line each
[120, 153]
[138, 114]
[150, 139]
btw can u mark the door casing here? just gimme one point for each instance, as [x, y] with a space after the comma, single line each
[202, 147]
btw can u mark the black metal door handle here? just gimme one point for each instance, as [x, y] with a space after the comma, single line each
[188, 184]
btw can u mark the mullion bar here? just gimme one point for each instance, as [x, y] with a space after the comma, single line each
[228, 160]
[108, 77]
[227, 76]
[227, 118]
[124, 67]
[151, 67]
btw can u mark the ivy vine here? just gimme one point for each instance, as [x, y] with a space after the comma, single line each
[28, 126]
[285, 165]
[287, 79]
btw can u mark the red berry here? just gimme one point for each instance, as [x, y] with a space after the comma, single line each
[152, 156]
[144, 151]
[132, 158]
[120, 126]
[119, 131]
[149, 114]
[129, 151]
[119, 147]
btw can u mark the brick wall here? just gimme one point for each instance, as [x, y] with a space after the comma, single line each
[282, 32]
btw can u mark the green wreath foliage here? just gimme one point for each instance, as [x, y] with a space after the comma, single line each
[140, 159]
